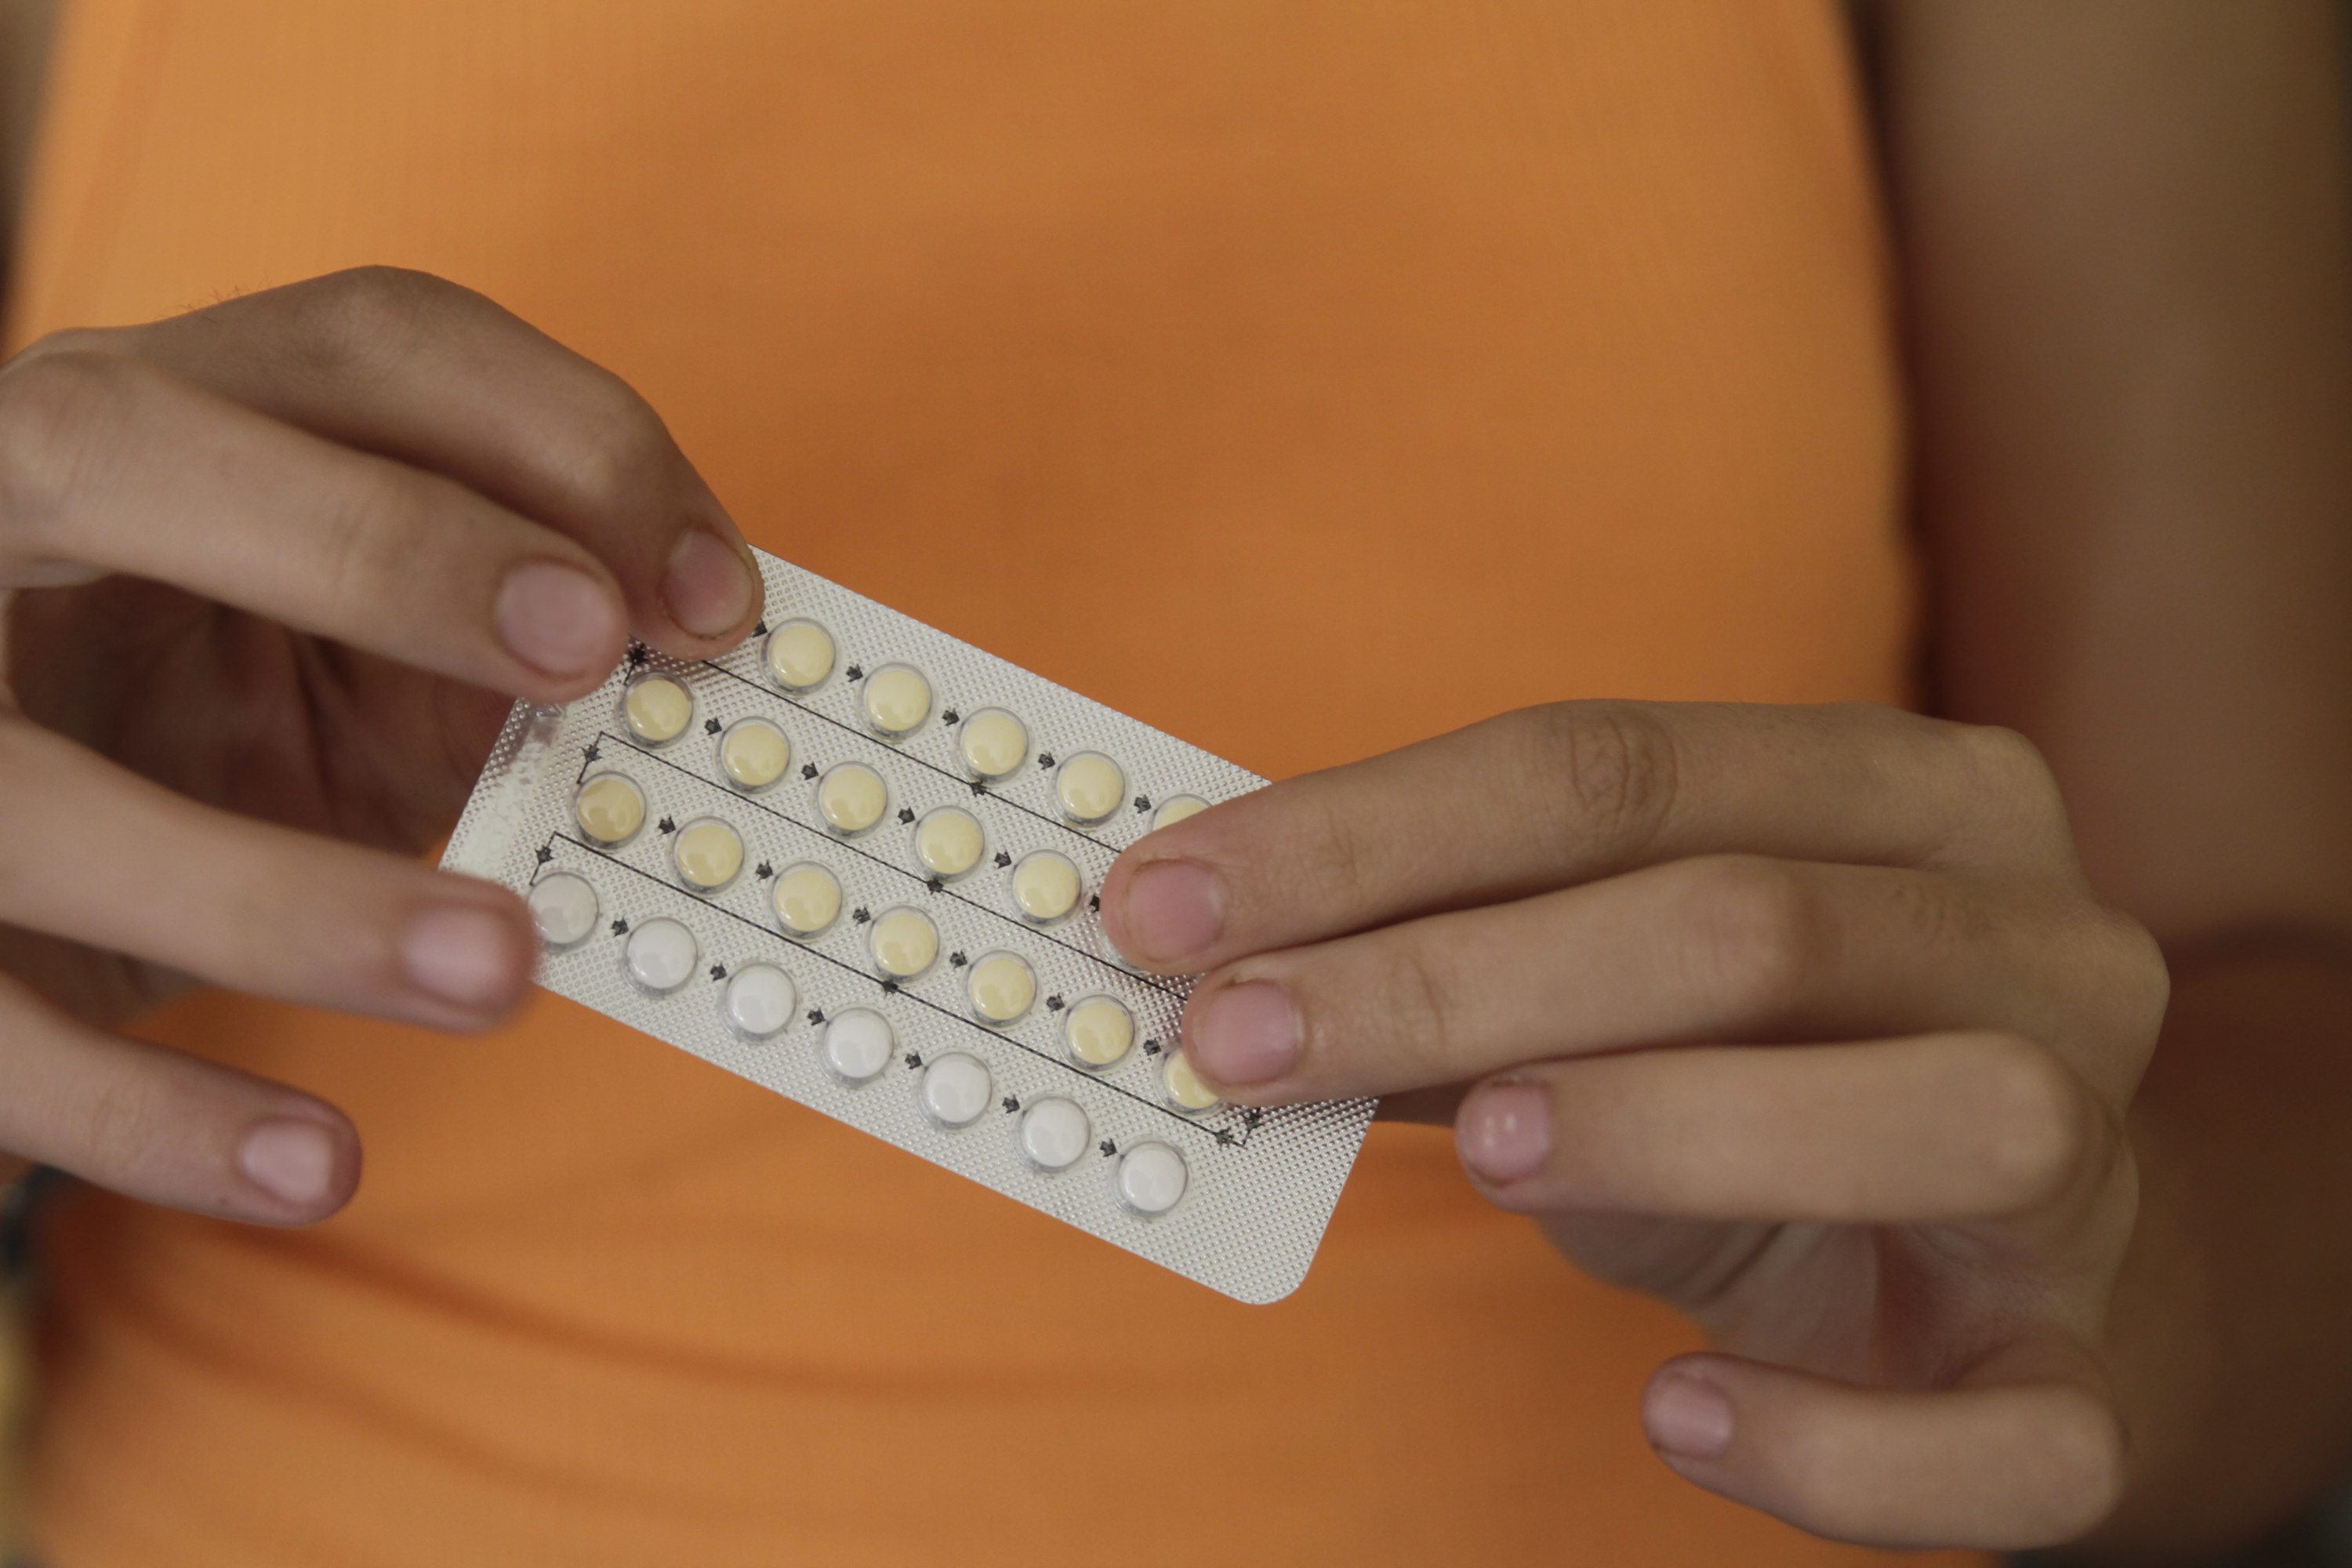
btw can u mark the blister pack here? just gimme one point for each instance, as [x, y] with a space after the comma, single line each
[855, 861]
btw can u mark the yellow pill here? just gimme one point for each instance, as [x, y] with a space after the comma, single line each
[708, 854]
[659, 709]
[808, 899]
[949, 842]
[800, 655]
[1003, 987]
[1177, 809]
[1089, 785]
[897, 700]
[754, 753]
[1184, 1086]
[853, 797]
[610, 808]
[994, 743]
[1100, 1031]
[1045, 886]
[904, 944]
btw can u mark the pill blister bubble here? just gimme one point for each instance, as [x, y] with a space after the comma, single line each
[564, 907]
[1183, 1085]
[754, 753]
[708, 854]
[759, 1000]
[1002, 987]
[807, 899]
[1177, 809]
[800, 655]
[660, 956]
[1089, 785]
[657, 710]
[1151, 1178]
[1045, 884]
[949, 842]
[897, 699]
[858, 1043]
[610, 808]
[1099, 1031]
[1054, 1134]
[994, 745]
[956, 1088]
[853, 798]
[904, 943]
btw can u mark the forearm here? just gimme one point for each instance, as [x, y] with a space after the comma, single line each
[2228, 1332]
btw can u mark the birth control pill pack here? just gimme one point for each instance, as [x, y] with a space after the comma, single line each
[857, 861]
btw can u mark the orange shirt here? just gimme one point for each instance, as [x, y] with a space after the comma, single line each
[1273, 345]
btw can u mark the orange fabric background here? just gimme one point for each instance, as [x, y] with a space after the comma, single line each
[1433, 360]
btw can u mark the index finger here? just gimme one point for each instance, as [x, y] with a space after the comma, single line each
[405, 365]
[1548, 797]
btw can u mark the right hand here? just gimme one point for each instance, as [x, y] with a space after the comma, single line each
[275, 570]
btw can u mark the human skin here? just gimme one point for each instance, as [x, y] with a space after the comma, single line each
[1856, 1059]
[1845, 1031]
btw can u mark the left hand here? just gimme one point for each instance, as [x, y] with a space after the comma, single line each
[1803, 1019]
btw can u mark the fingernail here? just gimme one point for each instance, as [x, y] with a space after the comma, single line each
[1170, 911]
[1687, 1418]
[558, 618]
[290, 1159]
[1505, 1134]
[464, 956]
[708, 588]
[1246, 1034]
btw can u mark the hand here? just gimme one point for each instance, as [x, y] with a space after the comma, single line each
[1803, 1019]
[279, 568]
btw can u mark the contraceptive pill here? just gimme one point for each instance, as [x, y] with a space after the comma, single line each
[857, 862]
[657, 709]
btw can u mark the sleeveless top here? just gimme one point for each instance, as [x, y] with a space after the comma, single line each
[1246, 340]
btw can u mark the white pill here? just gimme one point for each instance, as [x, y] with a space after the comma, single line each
[853, 798]
[1176, 809]
[1090, 786]
[661, 955]
[760, 999]
[1184, 1087]
[807, 898]
[1054, 1134]
[1150, 1178]
[956, 1088]
[657, 709]
[564, 908]
[1001, 988]
[949, 842]
[1045, 884]
[755, 753]
[897, 700]
[994, 743]
[858, 1043]
[904, 944]
[800, 655]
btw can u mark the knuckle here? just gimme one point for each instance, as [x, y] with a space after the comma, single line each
[1755, 938]
[620, 453]
[2009, 772]
[371, 541]
[347, 322]
[60, 413]
[2037, 1126]
[1423, 1001]
[2078, 1473]
[1606, 768]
